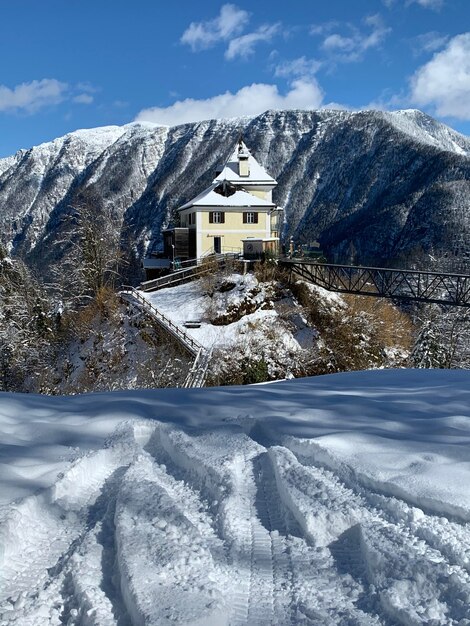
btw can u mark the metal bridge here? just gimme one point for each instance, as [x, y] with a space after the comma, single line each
[438, 287]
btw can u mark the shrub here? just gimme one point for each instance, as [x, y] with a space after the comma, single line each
[356, 332]
[255, 371]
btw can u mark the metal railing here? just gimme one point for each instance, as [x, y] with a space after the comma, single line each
[197, 374]
[176, 331]
[437, 287]
[171, 279]
[197, 267]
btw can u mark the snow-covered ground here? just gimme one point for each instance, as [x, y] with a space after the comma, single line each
[240, 319]
[341, 499]
[190, 302]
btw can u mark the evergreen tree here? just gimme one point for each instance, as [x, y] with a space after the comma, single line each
[429, 350]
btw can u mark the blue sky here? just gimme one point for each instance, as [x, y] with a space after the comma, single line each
[86, 63]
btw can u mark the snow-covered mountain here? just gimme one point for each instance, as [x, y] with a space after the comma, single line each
[373, 186]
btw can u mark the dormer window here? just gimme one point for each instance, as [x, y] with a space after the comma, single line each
[225, 189]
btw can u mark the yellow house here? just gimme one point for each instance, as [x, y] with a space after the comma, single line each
[235, 208]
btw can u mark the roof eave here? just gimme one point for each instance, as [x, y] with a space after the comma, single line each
[210, 207]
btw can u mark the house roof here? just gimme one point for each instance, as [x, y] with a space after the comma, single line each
[210, 198]
[257, 173]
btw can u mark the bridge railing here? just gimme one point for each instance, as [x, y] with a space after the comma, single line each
[438, 287]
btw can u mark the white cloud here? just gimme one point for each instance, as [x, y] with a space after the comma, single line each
[203, 35]
[428, 4]
[244, 45]
[323, 29]
[353, 46]
[297, 67]
[250, 100]
[444, 82]
[32, 96]
[429, 42]
[83, 98]
[338, 42]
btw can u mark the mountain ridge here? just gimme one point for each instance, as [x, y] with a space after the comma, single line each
[371, 186]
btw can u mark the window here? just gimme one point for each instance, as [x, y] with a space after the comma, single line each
[216, 217]
[250, 218]
[192, 219]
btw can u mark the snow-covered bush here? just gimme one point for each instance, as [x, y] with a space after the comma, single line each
[443, 338]
[354, 332]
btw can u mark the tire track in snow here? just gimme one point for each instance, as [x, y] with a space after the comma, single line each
[168, 572]
[279, 523]
[261, 591]
[276, 576]
[43, 536]
[420, 575]
[265, 536]
[327, 588]
[229, 484]
[448, 536]
[92, 589]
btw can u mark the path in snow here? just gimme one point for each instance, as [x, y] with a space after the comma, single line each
[240, 522]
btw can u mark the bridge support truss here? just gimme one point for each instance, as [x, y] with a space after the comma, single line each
[441, 288]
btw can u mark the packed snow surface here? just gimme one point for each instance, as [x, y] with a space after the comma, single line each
[341, 499]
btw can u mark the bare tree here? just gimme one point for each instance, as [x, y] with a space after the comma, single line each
[95, 255]
[26, 326]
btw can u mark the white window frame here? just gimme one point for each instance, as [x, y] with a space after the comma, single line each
[251, 217]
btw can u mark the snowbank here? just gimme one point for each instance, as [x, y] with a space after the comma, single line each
[337, 499]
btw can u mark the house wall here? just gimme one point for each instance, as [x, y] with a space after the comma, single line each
[264, 194]
[232, 231]
[234, 221]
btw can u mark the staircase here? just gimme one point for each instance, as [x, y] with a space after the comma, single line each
[198, 372]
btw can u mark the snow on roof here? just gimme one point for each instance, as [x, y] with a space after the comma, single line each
[240, 198]
[257, 172]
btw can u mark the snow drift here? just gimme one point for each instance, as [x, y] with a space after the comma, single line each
[342, 499]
